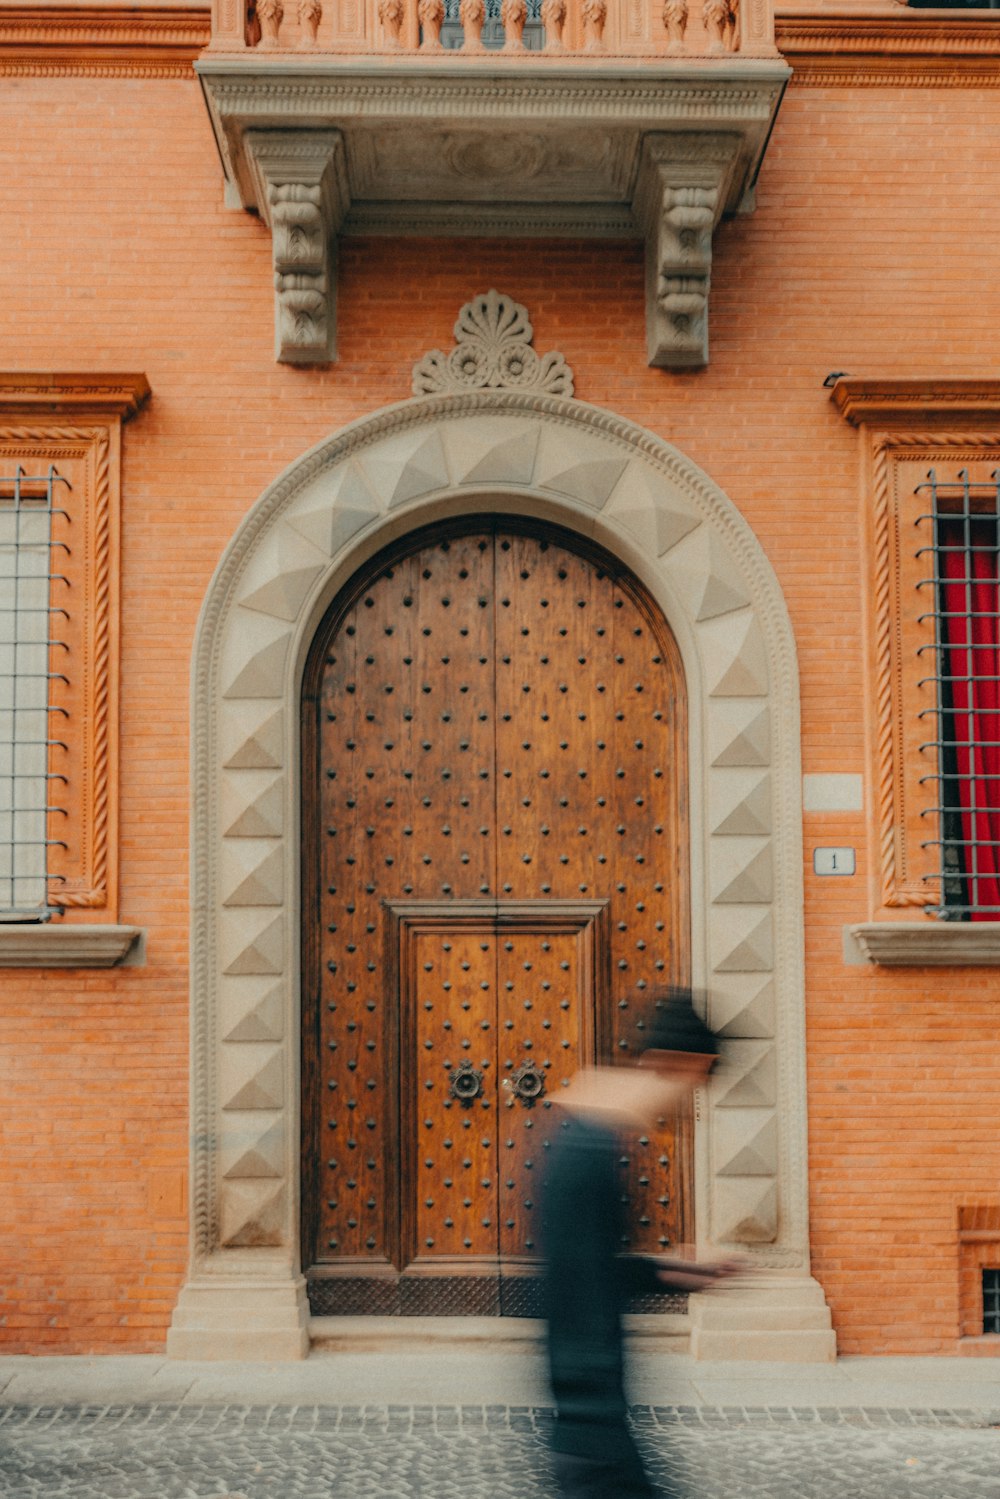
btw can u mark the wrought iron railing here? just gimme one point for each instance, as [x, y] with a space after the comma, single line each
[31, 663]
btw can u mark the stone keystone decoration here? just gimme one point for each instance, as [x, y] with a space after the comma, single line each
[492, 352]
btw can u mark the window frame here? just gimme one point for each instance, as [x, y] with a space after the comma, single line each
[73, 421]
[907, 427]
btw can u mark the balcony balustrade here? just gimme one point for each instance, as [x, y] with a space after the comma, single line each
[555, 28]
[577, 118]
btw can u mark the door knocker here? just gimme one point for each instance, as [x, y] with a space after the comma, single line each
[465, 1082]
[527, 1083]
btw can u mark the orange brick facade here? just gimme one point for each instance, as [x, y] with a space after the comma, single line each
[872, 250]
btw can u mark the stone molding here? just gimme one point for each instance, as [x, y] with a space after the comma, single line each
[74, 421]
[489, 451]
[471, 147]
[151, 40]
[925, 944]
[889, 46]
[493, 335]
[886, 46]
[866, 399]
[44, 394]
[48, 945]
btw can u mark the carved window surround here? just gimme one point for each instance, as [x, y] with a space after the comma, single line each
[645, 148]
[908, 426]
[74, 421]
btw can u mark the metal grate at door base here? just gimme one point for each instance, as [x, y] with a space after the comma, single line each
[961, 543]
[32, 654]
[450, 1296]
[416, 1296]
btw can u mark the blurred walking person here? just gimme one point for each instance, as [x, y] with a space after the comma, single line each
[588, 1282]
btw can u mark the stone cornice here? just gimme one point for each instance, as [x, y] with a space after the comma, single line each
[871, 399]
[151, 40]
[890, 45]
[367, 85]
[24, 391]
[872, 46]
[45, 945]
[925, 944]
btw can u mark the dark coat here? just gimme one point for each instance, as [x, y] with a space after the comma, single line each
[588, 1283]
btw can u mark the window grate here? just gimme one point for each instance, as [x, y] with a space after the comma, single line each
[961, 531]
[991, 1301]
[30, 648]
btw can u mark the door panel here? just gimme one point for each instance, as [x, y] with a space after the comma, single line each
[548, 976]
[453, 1187]
[493, 725]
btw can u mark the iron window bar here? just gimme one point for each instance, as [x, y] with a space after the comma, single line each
[30, 625]
[963, 519]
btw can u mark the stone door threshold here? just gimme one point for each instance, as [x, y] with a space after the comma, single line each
[666, 1332]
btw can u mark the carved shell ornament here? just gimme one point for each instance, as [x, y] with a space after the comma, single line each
[492, 352]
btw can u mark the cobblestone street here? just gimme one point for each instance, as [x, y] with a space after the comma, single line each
[484, 1452]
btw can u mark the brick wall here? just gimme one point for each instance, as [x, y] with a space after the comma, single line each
[872, 251]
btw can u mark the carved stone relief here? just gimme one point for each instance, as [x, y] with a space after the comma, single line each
[492, 352]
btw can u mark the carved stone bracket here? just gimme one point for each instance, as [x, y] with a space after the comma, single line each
[302, 195]
[681, 191]
[601, 150]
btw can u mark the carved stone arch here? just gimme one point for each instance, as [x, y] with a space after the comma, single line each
[520, 453]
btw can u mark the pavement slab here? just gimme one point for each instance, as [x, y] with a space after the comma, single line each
[359, 1451]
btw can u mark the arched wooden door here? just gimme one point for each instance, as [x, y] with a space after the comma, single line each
[495, 872]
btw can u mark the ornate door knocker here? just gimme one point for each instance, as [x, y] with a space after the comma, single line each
[465, 1082]
[527, 1083]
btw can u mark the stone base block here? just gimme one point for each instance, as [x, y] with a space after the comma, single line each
[784, 1320]
[260, 1321]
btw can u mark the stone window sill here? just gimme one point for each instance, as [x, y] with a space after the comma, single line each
[37, 945]
[941, 944]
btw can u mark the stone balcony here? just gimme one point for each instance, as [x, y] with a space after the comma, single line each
[591, 118]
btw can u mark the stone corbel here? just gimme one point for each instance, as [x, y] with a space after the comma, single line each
[681, 191]
[301, 191]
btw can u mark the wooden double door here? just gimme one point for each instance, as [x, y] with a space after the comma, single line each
[494, 882]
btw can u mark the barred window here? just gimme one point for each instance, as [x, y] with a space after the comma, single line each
[33, 650]
[991, 1301]
[959, 523]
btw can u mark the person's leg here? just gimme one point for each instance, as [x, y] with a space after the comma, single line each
[599, 1462]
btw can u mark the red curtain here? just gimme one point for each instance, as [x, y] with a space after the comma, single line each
[970, 601]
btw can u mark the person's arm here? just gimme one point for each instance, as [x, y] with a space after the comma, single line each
[642, 1275]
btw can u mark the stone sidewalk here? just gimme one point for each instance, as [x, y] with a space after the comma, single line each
[486, 1373]
[435, 1423]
